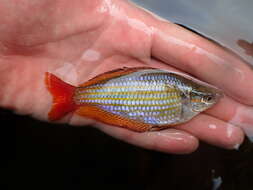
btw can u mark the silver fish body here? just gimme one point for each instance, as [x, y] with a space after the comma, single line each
[150, 96]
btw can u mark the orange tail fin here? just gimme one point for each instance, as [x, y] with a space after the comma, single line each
[62, 93]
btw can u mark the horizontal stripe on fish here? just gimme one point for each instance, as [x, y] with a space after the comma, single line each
[91, 92]
[168, 114]
[129, 95]
[157, 114]
[152, 117]
[131, 92]
[158, 118]
[140, 108]
[134, 98]
[164, 114]
[130, 102]
[127, 88]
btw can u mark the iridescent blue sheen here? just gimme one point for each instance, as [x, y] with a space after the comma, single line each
[150, 96]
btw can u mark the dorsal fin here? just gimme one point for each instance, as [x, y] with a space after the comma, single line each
[112, 74]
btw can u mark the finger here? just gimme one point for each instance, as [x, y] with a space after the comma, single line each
[228, 109]
[235, 113]
[168, 141]
[225, 109]
[205, 60]
[214, 131]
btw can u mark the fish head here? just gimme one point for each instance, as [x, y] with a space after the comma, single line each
[204, 97]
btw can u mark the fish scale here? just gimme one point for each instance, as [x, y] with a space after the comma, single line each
[145, 96]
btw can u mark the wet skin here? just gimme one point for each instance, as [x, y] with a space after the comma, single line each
[77, 40]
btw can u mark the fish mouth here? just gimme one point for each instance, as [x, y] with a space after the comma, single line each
[219, 95]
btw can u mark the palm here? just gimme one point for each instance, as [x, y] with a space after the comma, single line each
[109, 42]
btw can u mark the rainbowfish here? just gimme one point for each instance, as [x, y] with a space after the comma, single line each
[140, 99]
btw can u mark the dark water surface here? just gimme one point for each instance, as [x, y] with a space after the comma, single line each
[37, 155]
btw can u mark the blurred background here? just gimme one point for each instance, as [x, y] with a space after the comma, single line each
[228, 22]
[38, 155]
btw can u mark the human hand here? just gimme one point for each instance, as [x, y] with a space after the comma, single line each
[80, 39]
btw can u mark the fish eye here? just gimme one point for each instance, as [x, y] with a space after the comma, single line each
[209, 98]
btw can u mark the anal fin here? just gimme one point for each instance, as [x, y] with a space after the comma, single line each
[103, 116]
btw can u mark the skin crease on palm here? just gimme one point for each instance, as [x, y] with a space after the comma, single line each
[77, 40]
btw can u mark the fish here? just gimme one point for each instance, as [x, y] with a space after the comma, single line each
[139, 99]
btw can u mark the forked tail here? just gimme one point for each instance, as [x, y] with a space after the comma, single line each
[62, 93]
